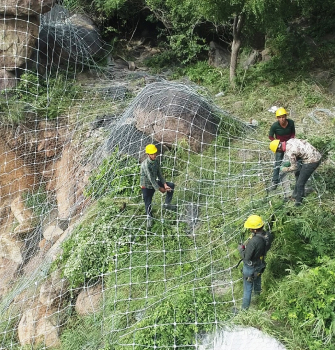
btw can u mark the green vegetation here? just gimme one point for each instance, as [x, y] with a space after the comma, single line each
[38, 201]
[185, 28]
[94, 245]
[176, 320]
[117, 175]
[8, 329]
[305, 299]
[169, 285]
[44, 98]
[171, 275]
[203, 74]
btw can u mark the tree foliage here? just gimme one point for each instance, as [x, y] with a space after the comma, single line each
[236, 22]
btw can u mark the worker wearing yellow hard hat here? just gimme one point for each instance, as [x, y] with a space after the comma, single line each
[151, 179]
[282, 130]
[253, 254]
[151, 149]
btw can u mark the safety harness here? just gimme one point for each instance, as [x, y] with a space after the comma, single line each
[258, 264]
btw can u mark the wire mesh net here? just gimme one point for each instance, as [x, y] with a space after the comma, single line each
[80, 267]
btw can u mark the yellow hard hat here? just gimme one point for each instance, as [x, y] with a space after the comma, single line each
[254, 222]
[151, 149]
[280, 111]
[274, 145]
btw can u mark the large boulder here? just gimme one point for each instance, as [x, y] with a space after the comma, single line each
[52, 233]
[11, 249]
[31, 8]
[39, 325]
[36, 143]
[15, 175]
[65, 183]
[252, 59]
[69, 180]
[17, 38]
[56, 249]
[171, 113]
[53, 291]
[218, 56]
[128, 140]
[23, 215]
[67, 39]
[51, 139]
[89, 300]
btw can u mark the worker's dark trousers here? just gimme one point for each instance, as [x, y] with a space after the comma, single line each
[278, 161]
[302, 176]
[148, 193]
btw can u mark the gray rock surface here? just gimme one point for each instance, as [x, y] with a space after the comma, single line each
[170, 113]
[66, 39]
[218, 56]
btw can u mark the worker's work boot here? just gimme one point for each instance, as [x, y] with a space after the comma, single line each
[170, 207]
[273, 186]
[150, 222]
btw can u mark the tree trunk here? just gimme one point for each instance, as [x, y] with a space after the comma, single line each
[235, 47]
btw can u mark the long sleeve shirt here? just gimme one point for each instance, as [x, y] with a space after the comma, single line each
[297, 149]
[257, 247]
[280, 133]
[150, 172]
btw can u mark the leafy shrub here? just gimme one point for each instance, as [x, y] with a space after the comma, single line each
[180, 20]
[186, 45]
[291, 49]
[177, 320]
[306, 301]
[118, 174]
[53, 96]
[324, 144]
[300, 238]
[91, 249]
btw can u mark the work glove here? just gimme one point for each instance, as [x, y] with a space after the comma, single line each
[284, 166]
[241, 248]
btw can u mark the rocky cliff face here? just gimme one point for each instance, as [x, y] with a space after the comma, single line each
[19, 28]
[30, 161]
